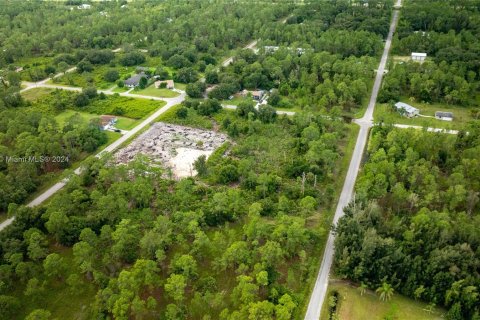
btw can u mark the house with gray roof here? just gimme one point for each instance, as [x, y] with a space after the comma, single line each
[406, 109]
[134, 81]
[445, 116]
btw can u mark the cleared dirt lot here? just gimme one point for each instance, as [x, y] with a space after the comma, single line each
[172, 146]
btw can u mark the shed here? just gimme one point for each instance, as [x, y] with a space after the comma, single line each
[419, 56]
[406, 109]
[257, 95]
[445, 116]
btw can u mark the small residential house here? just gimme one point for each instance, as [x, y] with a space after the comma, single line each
[169, 84]
[107, 122]
[134, 81]
[419, 56]
[258, 95]
[406, 109]
[84, 6]
[445, 116]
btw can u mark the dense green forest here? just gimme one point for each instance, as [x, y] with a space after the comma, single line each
[414, 224]
[449, 32]
[413, 227]
[242, 238]
[237, 243]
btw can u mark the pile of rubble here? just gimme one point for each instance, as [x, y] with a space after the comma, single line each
[172, 146]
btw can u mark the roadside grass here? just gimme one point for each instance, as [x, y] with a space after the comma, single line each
[461, 115]
[36, 93]
[352, 305]
[120, 90]
[360, 111]
[324, 217]
[126, 123]
[123, 106]
[160, 93]
[58, 297]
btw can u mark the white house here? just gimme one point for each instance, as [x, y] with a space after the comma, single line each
[419, 56]
[406, 109]
[445, 116]
[84, 6]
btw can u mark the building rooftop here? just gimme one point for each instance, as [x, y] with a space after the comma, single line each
[443, 114]
[405, 106]
[419, 54]
[135, 80]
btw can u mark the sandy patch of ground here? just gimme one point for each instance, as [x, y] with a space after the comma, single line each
[172, 146]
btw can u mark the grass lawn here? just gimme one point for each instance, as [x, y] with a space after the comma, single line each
[353, 306]
[237, 100]
[126, 123]
[154, 92]
[461, 115]
[180, 86]
[36, 93]
[120, 90]
[63, 116]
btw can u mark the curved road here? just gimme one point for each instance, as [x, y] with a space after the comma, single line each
[321, 284]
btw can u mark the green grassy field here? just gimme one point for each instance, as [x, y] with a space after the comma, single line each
[124, 106]
[353, 306]
[160, 93]
[126, 123]
[122, 123]
[383, 112]
[94, 78]
[180, 86]
[36, 93]
[236, 100]
[63, 116]
[120, 90]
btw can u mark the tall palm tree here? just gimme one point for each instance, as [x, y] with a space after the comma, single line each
[363, 288]
[385, 291]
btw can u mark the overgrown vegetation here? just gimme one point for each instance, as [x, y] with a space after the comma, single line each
[414, 225]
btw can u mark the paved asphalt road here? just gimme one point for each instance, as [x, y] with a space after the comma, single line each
[321, 284]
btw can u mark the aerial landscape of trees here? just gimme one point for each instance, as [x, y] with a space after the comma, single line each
[414, 224]
[449, 33]
[244, 237]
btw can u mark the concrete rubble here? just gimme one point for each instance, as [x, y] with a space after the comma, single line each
[172, 146]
